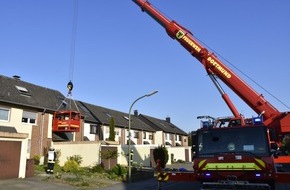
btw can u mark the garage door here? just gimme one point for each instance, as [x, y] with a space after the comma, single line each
[9, 159]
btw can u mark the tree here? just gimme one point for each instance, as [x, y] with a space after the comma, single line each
[112, 130]
[189, 138]
[161, 153]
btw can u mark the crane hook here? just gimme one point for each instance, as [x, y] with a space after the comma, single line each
[70, 86]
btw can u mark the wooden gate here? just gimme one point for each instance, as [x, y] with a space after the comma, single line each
[108, 163]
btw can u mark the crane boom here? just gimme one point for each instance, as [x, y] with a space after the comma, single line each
[230, 156]
[280, 121]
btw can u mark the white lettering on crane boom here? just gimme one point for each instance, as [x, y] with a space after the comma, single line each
[219, 67]
[181, 35]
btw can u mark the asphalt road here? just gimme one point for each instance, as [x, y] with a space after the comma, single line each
[36, 183]
[153, 185]
[39, 183]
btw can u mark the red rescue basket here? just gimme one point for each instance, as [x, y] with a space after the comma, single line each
[66, 121]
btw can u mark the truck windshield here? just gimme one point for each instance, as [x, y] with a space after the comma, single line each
[251, 140]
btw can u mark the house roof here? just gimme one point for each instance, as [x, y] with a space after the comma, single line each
[120, 118]
[21, 93]
[87, 113]
[18, 92]
[161, 125]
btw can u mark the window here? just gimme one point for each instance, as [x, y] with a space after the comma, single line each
[107, 114]
[4, 114]
[144, 135]
[136, 135]
[29, 117]
[166, 136]
[244, 140]
[23, 91]
[150, 137]
[125, 117]
[84, 109]
[93, 129]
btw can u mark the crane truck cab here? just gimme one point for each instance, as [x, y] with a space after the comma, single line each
[228, 157]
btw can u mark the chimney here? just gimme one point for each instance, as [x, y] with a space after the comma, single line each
[16, 77]
[136, 113]
[167, 119]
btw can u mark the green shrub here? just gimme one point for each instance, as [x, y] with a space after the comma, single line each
[161, 153]
[98, 168]
[77, 158]
[119, 170]
[71, 166]
[36, 159]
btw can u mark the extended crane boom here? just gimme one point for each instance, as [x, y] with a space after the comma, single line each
[280, 121]
[230, 156]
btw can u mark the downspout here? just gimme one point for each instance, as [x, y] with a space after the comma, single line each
[41, 132]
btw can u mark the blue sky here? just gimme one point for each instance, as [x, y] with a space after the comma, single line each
[121, 53]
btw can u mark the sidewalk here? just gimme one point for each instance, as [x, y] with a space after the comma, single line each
[40, 183]
[32, 183]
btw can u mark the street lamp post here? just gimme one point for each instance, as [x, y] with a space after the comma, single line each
[129, 135]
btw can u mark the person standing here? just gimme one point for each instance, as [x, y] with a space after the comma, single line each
[51, 157]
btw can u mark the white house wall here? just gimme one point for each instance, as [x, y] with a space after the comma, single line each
[87, 128]
[178, 152]
[159, 138]
[15, 121]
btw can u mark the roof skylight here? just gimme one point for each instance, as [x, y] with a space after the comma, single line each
[23, 91]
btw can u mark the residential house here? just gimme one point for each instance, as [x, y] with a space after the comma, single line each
[25, 119]
[166, 132]
[26, 113]
[141, 133]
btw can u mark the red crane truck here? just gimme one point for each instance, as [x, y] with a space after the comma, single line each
[231, 152]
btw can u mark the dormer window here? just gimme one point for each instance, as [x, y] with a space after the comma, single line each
[23, 91]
